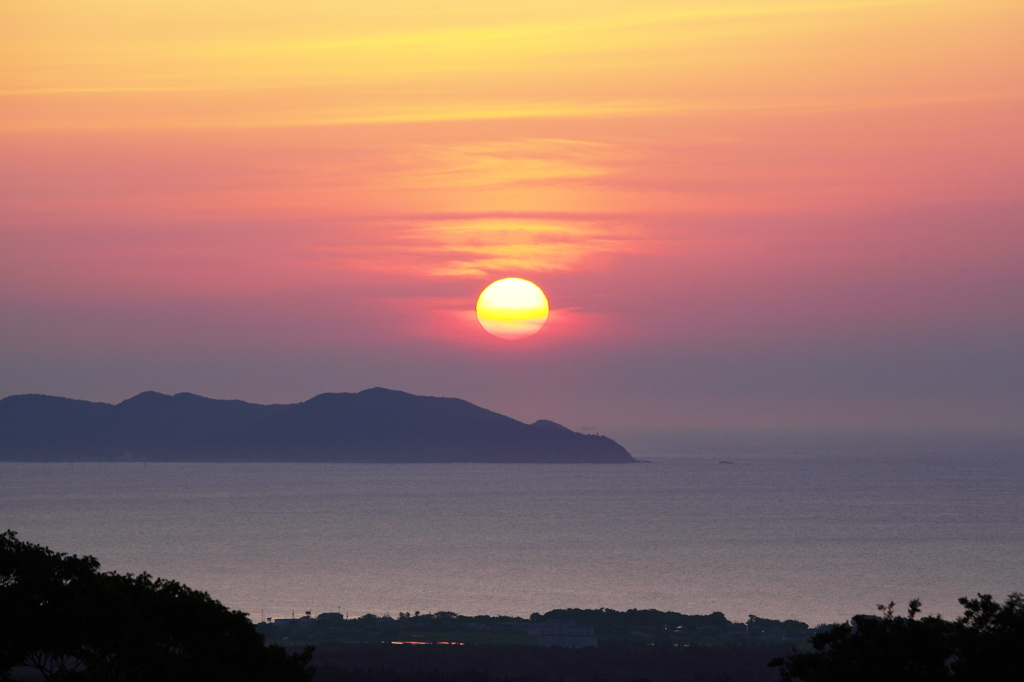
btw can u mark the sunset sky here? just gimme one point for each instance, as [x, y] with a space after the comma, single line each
[742, 213]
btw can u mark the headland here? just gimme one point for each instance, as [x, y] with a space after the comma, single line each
[375, 425]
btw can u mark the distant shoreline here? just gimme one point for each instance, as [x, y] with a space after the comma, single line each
[374, 426]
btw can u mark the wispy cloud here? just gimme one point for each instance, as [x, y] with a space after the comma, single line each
[477, 248]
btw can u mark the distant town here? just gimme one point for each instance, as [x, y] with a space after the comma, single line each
[567, 628]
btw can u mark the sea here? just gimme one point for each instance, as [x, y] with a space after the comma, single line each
[814, 526]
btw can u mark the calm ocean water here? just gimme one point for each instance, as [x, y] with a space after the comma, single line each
[814, 527]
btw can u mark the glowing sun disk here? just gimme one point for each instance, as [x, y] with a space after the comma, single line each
[512, 308]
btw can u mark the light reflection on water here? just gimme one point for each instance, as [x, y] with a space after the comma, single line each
[815, 538]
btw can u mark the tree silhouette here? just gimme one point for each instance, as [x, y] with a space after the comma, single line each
[70, 621]
[985, 645]
[990, 642]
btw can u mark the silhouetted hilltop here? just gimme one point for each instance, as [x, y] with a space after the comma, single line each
[376, 425]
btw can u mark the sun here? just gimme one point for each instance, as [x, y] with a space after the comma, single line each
[512, 308]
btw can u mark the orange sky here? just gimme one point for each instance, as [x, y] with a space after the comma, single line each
[793, 213]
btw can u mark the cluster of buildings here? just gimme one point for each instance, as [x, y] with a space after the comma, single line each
[766, 631]
[563, 633]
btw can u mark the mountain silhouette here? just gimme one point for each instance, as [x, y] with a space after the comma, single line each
[376, 425]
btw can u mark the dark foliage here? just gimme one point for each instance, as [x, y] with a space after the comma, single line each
[990, 639]
[985, 645]
[63, 617]
[612, 622]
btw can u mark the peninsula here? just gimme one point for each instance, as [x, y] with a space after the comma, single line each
[375, 425]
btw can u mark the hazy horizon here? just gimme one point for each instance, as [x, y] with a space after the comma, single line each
[653, 434]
